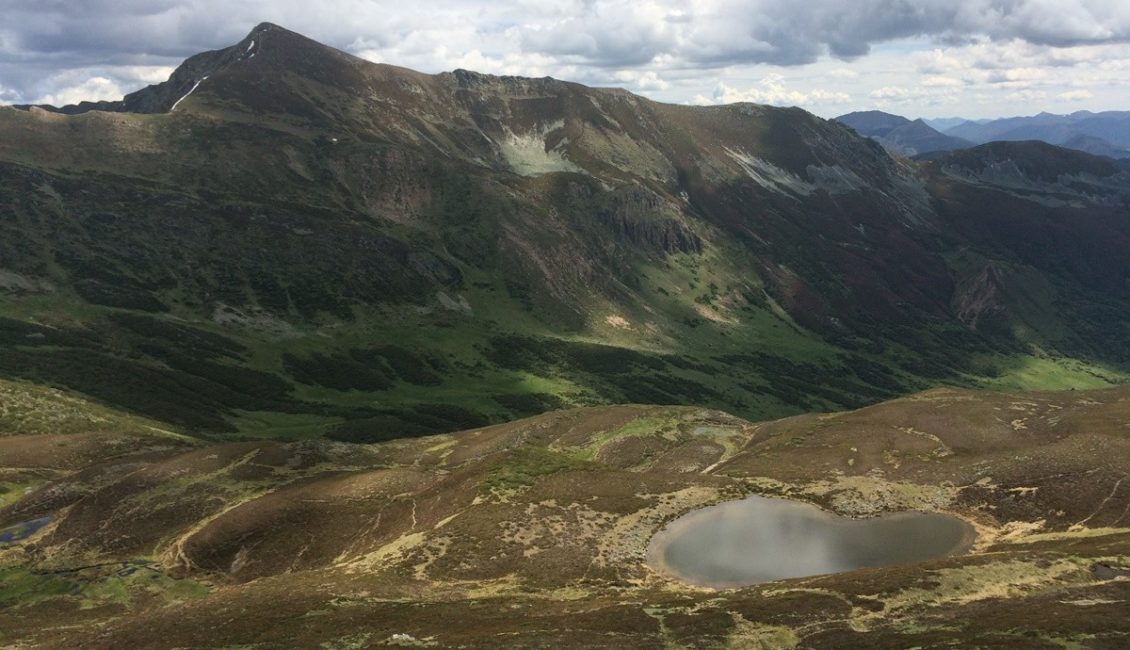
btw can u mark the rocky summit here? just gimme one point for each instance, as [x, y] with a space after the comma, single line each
[300, 350]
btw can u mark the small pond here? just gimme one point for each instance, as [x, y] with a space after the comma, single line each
[758, 539]
[23, 530]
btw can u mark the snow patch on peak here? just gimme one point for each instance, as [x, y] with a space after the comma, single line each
[250, 51]
[193, 89]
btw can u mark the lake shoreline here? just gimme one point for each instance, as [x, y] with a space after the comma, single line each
[658, 546]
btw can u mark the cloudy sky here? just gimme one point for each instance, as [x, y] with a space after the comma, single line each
[920, 58]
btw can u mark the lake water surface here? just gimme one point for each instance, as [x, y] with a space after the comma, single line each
[759, 539]
[22, 530]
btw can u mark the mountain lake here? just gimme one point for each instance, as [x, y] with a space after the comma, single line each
[760, 539]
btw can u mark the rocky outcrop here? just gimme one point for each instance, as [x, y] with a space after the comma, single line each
[643, 218]
[978, 297]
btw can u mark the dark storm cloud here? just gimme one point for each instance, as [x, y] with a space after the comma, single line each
[96, 31]
[41, 40]
[730, 32]
[42, 43]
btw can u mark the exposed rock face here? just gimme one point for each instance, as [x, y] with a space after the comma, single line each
[644, 218]
[979, 298]
[15, 283]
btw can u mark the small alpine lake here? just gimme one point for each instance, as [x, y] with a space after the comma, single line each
[22, 530]
[760, 539]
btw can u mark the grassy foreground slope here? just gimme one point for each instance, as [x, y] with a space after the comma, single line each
[534, 533]
[47, 433]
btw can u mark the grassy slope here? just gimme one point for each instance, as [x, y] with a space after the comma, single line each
[695, 329]
[667, 319]
[499, 372]
[438, 538]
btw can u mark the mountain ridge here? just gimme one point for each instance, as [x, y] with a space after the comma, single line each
[900, 135]
[1106, 133]
[378, 246]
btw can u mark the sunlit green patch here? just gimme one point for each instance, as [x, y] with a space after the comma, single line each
[525, 467]
[1044, 372]
[644, 427]
[118, 584]
[11, 492]
[282, 426]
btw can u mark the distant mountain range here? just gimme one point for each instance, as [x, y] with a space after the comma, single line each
[1104, 134]
[900, 135]
[1101, 134]
[944, 124]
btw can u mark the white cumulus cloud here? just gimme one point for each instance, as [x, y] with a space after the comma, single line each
[1074, 95]
[772, 90]
[93, 89]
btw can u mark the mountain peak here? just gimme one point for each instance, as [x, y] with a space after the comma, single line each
[265, 27]
[270, 31]
[257, 34]
[900, 135]
[284, 48]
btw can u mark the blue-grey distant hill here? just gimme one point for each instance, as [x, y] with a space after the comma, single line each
[944, 124]
[1104, 134]
[900, 135]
